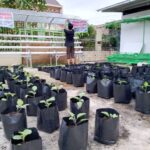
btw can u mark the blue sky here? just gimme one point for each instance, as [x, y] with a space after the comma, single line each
[86, 9]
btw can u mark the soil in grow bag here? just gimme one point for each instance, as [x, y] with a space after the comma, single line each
[105, 88]
[142, 101]
[73, 137]
[106, 126]
[78, 78]
[61, 98]
[91, 83]
[122, 92]
[69, 77]
[47, 117]
[32, 140]
[13, 121]
[80, 105]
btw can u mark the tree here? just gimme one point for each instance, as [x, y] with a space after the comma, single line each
[37, 5]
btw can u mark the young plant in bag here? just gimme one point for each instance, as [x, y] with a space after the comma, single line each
[109, 115]
[48, 102]
[145, 87]
[7, 95]
[20, 105]
[121, 82]
[3, 86]
[80, 118]
[22, 135]
[32, 92]
[57, 88]
[80, 100]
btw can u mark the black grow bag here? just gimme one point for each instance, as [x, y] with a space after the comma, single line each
[105, 88]
[142, 102]
[78, 79]
[46, 91]
[63, 75]
[122, 93]
[32, 142]
[73, 137]
[47, 118]
[61, 99]
[83, 109]
[13, 121]
[106, 129]
[3, 106]
[57, 73]
[32, 107]
[91, 85]
[69, 77]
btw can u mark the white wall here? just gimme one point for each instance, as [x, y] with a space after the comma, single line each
[132, 35]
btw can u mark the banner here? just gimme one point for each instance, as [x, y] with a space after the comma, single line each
[6, 20]
[80, 26]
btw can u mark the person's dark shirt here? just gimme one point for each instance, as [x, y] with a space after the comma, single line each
[69, 34]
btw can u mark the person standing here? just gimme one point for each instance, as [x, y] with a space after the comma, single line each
[69, 43]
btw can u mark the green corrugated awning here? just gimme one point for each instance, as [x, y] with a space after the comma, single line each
[129, 20]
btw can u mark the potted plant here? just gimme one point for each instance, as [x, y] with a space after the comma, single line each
[33, 101]
[26, 139]
[14, 120]
[80, 104]
[91, 83]
[122, 91]
[60, 95]
[46, 90]
[105, 88]
[73, 132]
[106, 126]
[48, 115]
[57, 73]
[142, 101]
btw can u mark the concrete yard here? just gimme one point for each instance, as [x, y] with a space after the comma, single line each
[134, 126]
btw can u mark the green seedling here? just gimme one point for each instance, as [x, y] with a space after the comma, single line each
[7, 95]
[109, 115]
[121, 82]
[57, 88]
[22, 135]
[20, 105]
[145, 86]
[2, 86]
[33, 91]
[28, 78]
[48, 102]
[80, 118]
[80, 100]
[15, 77]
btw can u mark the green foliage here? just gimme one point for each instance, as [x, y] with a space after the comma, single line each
[80, 118]
[109, 115]
[24, 4]
[80, 100]
[22, 135]
[145, 86]
[57, 88]
[2, 86]
[20, 105]
[9, 94]
[113, 25]
[48, 102]
[33, 91]
[121, 82]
